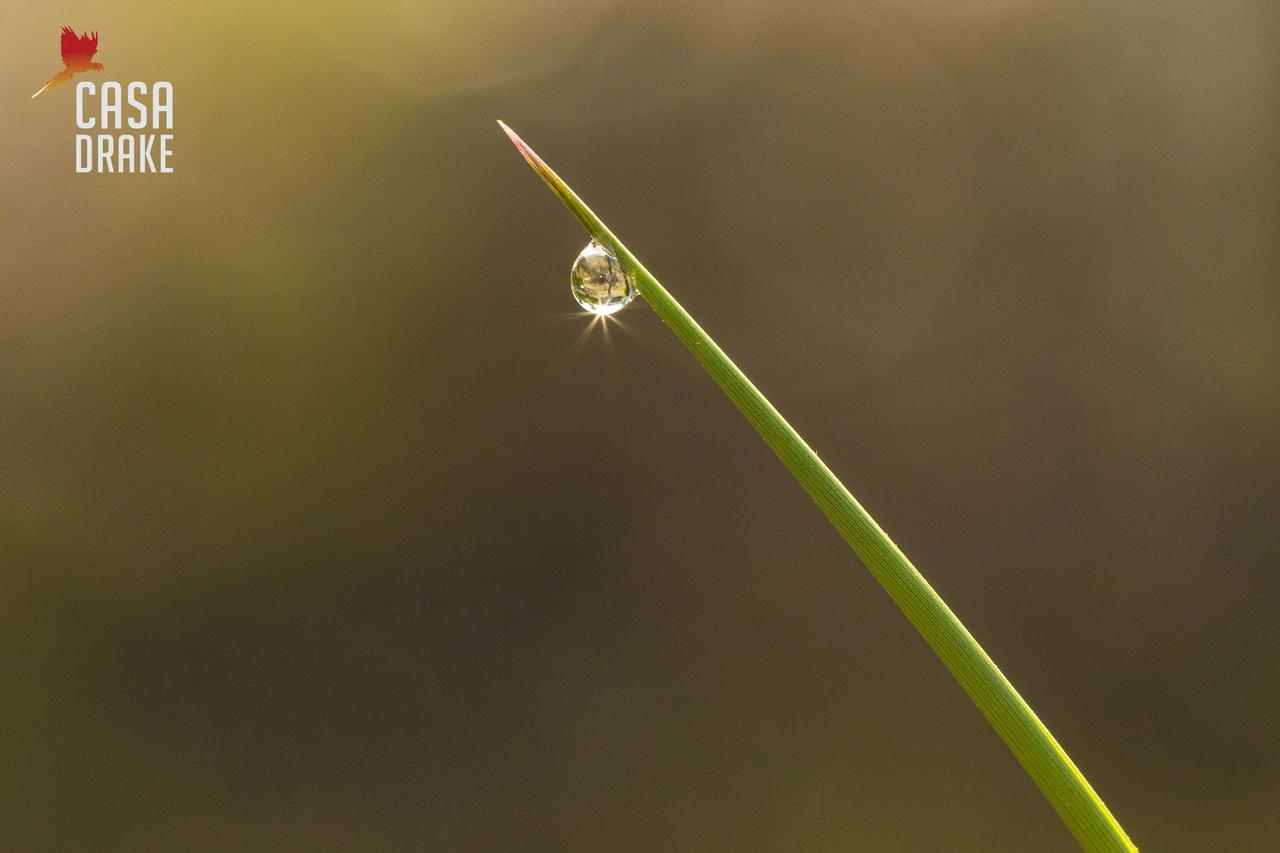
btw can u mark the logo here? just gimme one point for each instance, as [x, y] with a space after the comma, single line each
[131, 107]
[76, 53]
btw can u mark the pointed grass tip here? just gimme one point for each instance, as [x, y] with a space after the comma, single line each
[567, 196]
[528, 153]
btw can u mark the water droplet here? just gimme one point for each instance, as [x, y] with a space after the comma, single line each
[598, 282]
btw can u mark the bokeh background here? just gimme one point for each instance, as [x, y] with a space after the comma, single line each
[325, 524]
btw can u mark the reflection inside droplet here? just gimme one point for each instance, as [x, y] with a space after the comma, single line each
[598, 282]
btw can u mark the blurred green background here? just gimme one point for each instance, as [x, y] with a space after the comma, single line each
[323, 526]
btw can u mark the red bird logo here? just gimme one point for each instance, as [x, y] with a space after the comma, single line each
[77, 50]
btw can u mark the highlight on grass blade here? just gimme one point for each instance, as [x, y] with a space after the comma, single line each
[1044, 760]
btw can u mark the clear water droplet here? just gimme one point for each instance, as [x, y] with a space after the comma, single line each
[598, 282]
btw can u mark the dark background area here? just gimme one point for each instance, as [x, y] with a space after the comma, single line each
[324, 524]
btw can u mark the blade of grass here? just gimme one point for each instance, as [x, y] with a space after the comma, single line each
[1031, 742]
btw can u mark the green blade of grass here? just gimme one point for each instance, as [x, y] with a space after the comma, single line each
[1031, 742]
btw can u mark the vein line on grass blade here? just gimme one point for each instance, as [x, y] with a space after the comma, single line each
[1062, 783]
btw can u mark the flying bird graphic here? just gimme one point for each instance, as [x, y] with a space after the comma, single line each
[77, 50]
